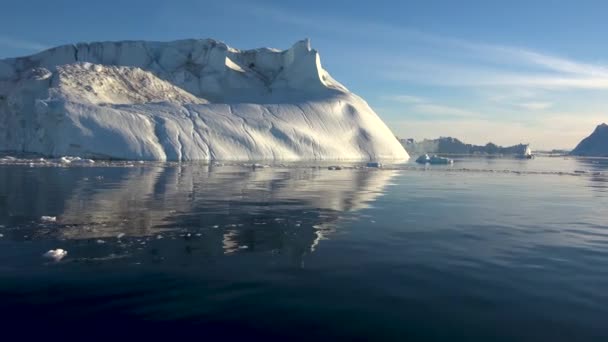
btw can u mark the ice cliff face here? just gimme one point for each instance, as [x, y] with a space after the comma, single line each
[595, 145]
[185, 100]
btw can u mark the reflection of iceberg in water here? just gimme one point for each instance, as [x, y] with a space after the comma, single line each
[238, 208]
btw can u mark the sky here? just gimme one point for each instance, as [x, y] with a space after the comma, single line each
[502, 71]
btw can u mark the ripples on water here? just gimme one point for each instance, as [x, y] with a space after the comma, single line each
[494, 249]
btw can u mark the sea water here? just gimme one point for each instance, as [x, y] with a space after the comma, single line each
[485, 249]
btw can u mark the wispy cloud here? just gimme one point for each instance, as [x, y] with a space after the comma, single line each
[420, 105]
[470, 75]
[432, 60]
[441, 110]
[406, 99]
[16, 43]
[535, 105]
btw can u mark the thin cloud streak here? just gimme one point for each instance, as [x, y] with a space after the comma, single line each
[536, 105]
[511, 64]
[440, 110]
[419, 105]
[470, 76]
[405, 99]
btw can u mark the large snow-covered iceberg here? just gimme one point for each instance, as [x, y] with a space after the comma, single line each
[185, 100]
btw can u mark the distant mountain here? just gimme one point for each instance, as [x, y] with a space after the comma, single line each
[448, 145]
[595, 145]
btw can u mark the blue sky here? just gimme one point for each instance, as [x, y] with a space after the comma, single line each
[502, 71]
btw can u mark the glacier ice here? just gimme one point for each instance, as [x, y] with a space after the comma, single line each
[185, 100]
[55, 254]
[48, 218]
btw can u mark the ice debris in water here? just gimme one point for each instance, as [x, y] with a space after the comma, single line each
[55, 254]
[426, 159]
[1, 235]
[48, 218]
[120, 236]
[100, 241]
[75, 160]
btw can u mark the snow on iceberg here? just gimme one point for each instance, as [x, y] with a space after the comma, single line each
[185, 100]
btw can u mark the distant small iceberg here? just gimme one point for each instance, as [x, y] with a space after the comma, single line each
[48, 218]
[434, 160]
[55, 254]
[453, 146]
[528, 153]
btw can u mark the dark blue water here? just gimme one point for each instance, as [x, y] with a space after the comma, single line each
[488, 249]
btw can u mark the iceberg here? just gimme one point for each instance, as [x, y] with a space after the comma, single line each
[55, 254]
[426, 159]
[449, 145]
[48, 218]
[185, 100]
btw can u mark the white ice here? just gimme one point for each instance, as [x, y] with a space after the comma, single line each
[55, 254]
[48, 219]
[185, 100]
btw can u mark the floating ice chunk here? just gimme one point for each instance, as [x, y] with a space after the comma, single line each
[1, 236]
[83, 161]
[55, 254]
[48, 218]
[426, 159]
[120, 236]
[243, 247]
[100, 241]
[158, 237]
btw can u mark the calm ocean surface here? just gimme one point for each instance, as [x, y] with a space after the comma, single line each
[486, 249]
